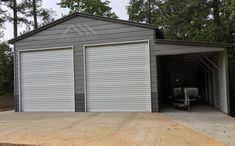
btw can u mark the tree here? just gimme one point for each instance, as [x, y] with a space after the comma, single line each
[93, 7]
[6, 69]
[2, 19]
[3, 15]
[14, 8]
[143, 10]
[26, 14]
[137, 11]
[195, 20]
[33, 13]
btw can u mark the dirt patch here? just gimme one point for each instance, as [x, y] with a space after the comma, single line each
[6, 103]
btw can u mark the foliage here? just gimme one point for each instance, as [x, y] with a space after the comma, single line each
[195, 20]
[93, 7]
[6, 69]
[26, 8]
[25, 13]
[231, 62]
[143, 11]
[2, 19]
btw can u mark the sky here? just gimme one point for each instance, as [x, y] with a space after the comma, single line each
[118, 6]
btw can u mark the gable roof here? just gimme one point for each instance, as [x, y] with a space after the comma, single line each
[73, 15]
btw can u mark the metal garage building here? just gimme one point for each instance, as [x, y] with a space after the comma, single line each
[87, 63]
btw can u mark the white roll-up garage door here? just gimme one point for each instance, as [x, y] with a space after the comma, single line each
[47, 80]
[118, 78]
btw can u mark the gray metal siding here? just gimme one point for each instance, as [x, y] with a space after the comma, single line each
[222, 101]
[165, 49]
[93, 32]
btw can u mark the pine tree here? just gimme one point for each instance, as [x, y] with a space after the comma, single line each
[29, 13]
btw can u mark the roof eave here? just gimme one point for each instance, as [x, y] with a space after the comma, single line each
[74, 15]
[193, 43]
[11, 41]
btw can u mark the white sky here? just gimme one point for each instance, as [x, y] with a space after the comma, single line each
[118, 6]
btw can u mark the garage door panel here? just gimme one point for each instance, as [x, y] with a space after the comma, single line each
[46, 91]
[47, 80]
[118, 78]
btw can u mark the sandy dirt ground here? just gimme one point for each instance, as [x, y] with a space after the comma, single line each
[97, 129]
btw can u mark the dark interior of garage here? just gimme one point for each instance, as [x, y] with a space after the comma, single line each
[199, 72]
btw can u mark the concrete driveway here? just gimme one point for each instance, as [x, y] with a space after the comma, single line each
[97, 129]
[205, 119]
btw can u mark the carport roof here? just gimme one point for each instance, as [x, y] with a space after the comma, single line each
[82, 15]
[194, 43]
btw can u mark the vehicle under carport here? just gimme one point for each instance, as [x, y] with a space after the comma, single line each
[201, 66]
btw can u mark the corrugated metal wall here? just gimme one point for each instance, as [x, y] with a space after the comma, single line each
[81, 31]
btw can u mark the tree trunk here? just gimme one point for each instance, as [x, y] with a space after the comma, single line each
[216, 11]
[15, 18]
[35, 14]
[149, 12]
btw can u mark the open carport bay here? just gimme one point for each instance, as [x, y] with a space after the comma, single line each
[204, 71]
[97, 129]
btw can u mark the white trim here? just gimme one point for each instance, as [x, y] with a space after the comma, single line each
[74, 84]
[227, 82]
[150, 76]
[115, 43]
[39, 49]
[19, 81]
[47, 48]
[84, 67]
[106, 44]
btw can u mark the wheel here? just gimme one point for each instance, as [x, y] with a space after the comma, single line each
[188, 104]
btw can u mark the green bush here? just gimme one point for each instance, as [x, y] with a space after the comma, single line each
[6, 69]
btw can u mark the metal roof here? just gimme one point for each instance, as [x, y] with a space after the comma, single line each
[63, 19]
[194, 43]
